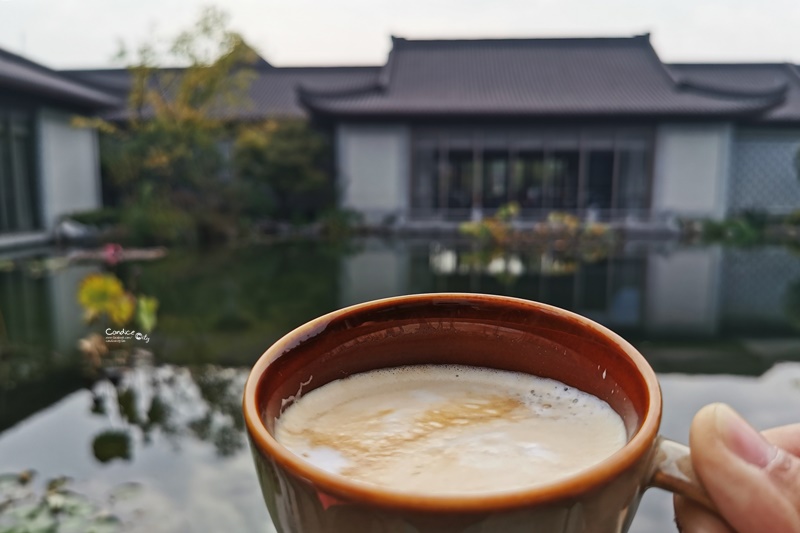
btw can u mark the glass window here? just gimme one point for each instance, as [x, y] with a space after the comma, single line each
[599, 179]
[495, 178]
[541, 169]
[18, 207]
[425, 182]
[21, 171]
[6, 185]
[460, 179]
[529, 179]
[632, 190]
[561, 191]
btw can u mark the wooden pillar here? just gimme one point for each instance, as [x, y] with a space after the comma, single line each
[615, 177]
[547, 175]
[511, 174]
[477, 172]
[650, 154]
[6, 199]
[582, 156]
[443, 175]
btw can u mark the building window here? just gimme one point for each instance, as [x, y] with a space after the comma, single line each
[425, 182]
[459, 180]
[605, 173]
[599, 179]
[634, 184]
[495, 179]
[18, 192]
[562, 192]
[529, 179]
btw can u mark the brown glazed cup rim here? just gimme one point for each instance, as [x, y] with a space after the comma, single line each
[354, 491]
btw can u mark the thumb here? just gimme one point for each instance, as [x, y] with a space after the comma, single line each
[755, 485]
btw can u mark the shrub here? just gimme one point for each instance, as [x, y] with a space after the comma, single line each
[742, 231]
[148, 225]
[339, 223]
[286, 162]
[108, 216]
[793, 218]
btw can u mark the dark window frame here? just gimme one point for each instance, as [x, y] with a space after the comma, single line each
[516, 141]
[18, 124]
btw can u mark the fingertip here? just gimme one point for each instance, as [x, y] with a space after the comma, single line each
[704, 428]
[708, 413]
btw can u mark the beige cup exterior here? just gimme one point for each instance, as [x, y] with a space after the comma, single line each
[478, 330]
[297, 505]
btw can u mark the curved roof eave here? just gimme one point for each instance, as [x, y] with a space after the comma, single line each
[21, 74]
[753, 113]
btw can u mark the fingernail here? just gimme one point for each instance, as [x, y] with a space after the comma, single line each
[742, 439]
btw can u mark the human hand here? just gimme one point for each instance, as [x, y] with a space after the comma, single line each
[753, 479]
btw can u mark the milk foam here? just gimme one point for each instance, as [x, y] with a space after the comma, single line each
[449, 429]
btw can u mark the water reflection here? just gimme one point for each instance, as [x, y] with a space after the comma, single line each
[203, 480]
[645, 292]
[174, 423]
[224, 307]
[170, 404]
[606, 289]
[176, 431]
[39, 324]
[227, 306]
[689, 309]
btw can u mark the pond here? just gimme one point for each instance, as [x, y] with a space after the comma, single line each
[718, 324]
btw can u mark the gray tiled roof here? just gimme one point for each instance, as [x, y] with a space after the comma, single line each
[766, 77]
[113, 80]
[22, 75]
[272, 93]
[533, 78]
[597, 77]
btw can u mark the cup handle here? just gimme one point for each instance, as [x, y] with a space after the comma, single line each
[673, 471]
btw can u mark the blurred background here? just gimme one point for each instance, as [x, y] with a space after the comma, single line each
[181, 185]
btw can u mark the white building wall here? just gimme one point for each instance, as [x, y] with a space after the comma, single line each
[692, 165]
[69, 166]
[373, 170]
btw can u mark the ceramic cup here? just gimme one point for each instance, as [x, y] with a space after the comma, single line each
[469, 329]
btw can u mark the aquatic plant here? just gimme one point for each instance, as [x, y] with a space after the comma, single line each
[105, 300]
[103, 295]
[55, 508]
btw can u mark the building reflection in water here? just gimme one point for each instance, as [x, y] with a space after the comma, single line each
[648, 291]
[40, 322]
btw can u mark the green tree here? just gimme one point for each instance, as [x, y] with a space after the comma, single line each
[289, 162]
[167, 148]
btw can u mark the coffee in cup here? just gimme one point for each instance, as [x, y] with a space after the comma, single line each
[450, 429]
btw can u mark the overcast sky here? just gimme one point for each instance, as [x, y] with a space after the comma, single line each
[85, 33]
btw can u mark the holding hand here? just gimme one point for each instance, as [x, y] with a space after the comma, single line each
[753, 478]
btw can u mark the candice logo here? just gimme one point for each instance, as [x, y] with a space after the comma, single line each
[123, 335]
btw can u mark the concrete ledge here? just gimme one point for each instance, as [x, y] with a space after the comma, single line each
[651, 229]
[23, 240]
